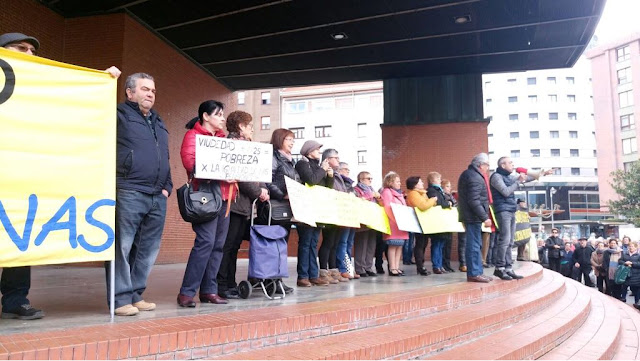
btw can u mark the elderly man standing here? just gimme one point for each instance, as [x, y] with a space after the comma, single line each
[473, 205]
[16, 281]
[504, 182]
[143, 182]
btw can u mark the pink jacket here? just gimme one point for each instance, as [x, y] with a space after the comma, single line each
[389, 196]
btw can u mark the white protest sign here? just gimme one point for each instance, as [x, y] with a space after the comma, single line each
[223, 158]
[406, 218]
[301, 202]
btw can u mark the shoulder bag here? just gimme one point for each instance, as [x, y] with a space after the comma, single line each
[202, 205]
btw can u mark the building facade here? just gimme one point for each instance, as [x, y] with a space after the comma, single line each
[616, 98]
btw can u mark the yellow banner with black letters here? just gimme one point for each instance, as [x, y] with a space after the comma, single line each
[57, 158]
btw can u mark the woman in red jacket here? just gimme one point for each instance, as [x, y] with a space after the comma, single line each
[206, 254]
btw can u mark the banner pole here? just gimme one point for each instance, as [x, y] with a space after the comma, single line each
[112, 289]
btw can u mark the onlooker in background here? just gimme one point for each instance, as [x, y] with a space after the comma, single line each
[365, 239]
[632, 259]
[566, 261]
[240, 127]
[446, 250]
[582, 261]
[393, 194]
[543, 257]
[345, 245]
[473, 206]
[438, 240]
[417, 197]
[554, 245]
[312, 172]
[597, 258]
[610, 264]
[625, 244]
[205, 257]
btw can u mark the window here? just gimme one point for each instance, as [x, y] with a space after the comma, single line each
[553, 98]
[573, 134]
[240, 98]
[298, 133]
[535, 153]
[627, 166]
[514, 135]
[531, 81]
[362, 130]
[362, 157]
[595, 153]
[575, 171]
[557, 171]
[555, 152]
[490, 135]
[323, 104]
[296, 157]
[513, 99]
[265, 123]
[534, 134]
[629, 146]
[533, 116]
[513, 116]
[625, 98]
[571, 98]
[572, 116]
[323, 131]
[511, 81]
[297, 107]
[623, 53]
[533, 98]
[515, 154]
[489, 100]
[571, 80]
[627, 122]
[574, 152]
[584, 205]
[487, 84]
[624, 75]
[595, 171]
[553, 116]
[266, 98]
[551, 80]
[554, 134]
[344, 103]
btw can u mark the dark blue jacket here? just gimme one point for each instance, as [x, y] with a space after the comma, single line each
[142, 158]
[473, 197]
[506, 184]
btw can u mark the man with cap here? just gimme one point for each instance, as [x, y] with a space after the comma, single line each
[16, 281]
[312, 172]
[473, 207]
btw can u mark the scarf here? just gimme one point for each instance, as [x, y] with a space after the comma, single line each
[286, 155]
[613, 262]
[438, 187]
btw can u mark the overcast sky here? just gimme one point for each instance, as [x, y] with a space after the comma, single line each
[620, 18]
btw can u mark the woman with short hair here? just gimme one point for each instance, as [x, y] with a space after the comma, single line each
[392, 193]
[438, 240]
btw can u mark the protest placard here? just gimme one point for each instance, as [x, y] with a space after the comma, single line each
[406, 218]
[224, 158]
[373, 216]
[301, 201]
[439, 220]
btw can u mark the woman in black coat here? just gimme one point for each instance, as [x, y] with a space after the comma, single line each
[438, 240]
[632, 259]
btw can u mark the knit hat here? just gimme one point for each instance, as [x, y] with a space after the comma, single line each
[309, 146]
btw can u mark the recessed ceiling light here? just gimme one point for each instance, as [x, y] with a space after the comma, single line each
[462, 19]
[339, 36]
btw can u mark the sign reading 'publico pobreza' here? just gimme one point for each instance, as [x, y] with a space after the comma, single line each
[223, 158]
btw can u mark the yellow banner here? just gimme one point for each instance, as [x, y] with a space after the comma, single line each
[57, 156]
[438, 220]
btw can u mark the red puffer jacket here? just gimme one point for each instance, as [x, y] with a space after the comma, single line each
[188, 155]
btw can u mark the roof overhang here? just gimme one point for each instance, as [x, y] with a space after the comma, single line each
[262, 44]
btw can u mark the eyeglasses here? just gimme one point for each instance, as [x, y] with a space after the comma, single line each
[290, 139]
[23, 48]
[368, 178]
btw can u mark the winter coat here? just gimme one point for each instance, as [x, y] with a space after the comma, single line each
[554, 241]
[281, 167]
[582, 256]
[418, 198]
[389, 196]
[311, 173]
[610, 261]
[596, 263]
[634, 275]
[473, 196]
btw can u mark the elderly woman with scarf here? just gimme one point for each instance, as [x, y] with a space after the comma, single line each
[610, 259]
[438, 240]
[205, 257]
[365, 240]
[597, 258]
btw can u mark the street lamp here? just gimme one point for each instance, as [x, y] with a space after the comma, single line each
[552, 191]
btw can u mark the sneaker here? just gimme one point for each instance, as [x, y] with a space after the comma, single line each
[24, 312]
[127, 310]
[144, 305]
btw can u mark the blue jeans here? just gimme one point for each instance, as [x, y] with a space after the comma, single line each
[437, 245]
[307, 251]
[473, 249]
[345, 235]
[350, 241]
[504, 240]
[139, 224]
[206, 256]
[407, 249]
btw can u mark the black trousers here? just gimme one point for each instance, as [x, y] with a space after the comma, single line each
[327, 252]
[554, 264]
[583, 272]
[446, 253]
[238, 229]
[14, 286]
[462, 245]
[381, 249]
[418, 250]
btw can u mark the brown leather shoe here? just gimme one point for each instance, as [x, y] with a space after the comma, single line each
[303, 282]
[319, 282]
[346, 275]
[186, 301]
[212, 298]
[480, 278]
[437, 271]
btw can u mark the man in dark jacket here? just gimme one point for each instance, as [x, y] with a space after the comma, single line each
[473, 207]
[554, 247]
[143, 182]
[582, 260]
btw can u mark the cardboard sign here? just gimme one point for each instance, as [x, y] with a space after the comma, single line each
[223, 158]
[406, 218]
[439, 220]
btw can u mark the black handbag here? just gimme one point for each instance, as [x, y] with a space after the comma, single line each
[280, 212]
[202, 205]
